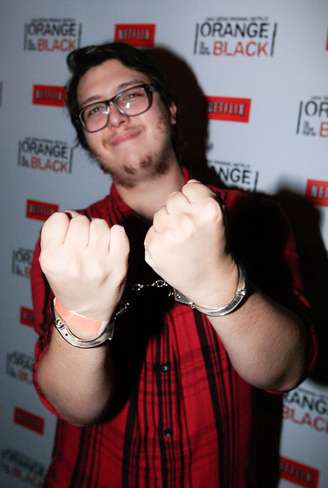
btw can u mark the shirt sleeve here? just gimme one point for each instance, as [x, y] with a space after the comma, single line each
[261, 237]
[302, 305]
[42, 298]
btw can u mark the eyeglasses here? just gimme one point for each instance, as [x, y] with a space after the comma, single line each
[131, 102]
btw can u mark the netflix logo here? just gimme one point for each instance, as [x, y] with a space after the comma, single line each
[29, 420]
[229, 108]
[26, 316]
[317, 192]
[138, 35]
[40, 210]
[54, 96]
[300, 474]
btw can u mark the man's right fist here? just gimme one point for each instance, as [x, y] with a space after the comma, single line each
[85, 263]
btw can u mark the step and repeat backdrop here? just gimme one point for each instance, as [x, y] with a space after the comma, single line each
[261, 68]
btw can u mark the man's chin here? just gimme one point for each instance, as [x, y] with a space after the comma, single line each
[136, 170]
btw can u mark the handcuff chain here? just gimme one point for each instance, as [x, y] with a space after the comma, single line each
[154, 284]
[138, 287]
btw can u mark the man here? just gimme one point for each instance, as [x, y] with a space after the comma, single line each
[166, 401]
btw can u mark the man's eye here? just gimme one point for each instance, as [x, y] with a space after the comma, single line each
[134, 94]
[131, 96]
[95, 110]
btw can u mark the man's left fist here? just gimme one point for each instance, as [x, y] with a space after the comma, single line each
[186, 245]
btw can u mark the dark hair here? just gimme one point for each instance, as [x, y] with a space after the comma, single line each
[81, 60]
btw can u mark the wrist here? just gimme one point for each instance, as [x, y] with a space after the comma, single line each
[84, 327]
[218, 287]
[219, 311]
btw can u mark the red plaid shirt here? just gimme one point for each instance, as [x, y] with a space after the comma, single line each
[182, 416]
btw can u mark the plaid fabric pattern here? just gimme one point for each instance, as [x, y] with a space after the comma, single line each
[183, 415]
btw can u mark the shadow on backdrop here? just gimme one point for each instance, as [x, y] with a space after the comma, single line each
[258, 235]
[305, 220]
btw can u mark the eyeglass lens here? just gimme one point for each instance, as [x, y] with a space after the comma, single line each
[133, 101]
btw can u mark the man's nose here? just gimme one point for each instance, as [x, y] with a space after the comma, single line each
[116, 118]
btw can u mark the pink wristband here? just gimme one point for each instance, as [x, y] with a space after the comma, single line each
[74, 319]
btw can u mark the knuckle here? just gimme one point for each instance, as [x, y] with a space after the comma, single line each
[43, 262]
[187, 223]
[119, 238]
[210, 210]
[117, 228]
[150, 249]
[47, 263]
[55, 219]
[174, 197]
[156, 219]
[148, 259]
[193, 185]
[196, 190]
[80, 219]
[99, 222]
[160, 218]
[57, 216]
[213, 206]
[117, 232]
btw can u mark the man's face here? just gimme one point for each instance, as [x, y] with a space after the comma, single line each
[131, 149]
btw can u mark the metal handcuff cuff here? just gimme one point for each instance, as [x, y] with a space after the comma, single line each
[239, 296]
[67, 334]
[107, 329]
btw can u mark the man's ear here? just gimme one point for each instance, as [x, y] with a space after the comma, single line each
[173, 113]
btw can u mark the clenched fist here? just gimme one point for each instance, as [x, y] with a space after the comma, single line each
[85, 263]
[186, 246]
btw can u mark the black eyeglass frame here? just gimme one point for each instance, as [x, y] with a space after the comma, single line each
[149, 90]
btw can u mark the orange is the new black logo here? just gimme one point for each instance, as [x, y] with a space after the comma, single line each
[307, 409]
[45, 155]
[242, 175]
[24, 468]
[20, 366]
[21, 262]
[52, 35]
[312, 119]
[247, 37]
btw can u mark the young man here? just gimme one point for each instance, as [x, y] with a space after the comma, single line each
[166, 401]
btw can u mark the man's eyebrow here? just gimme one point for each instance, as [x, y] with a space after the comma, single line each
[120, 87]
[126, 84]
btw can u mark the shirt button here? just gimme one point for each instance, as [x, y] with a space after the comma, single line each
[164, 367]
[167, 433]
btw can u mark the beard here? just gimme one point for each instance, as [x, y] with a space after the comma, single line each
[147, 166]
